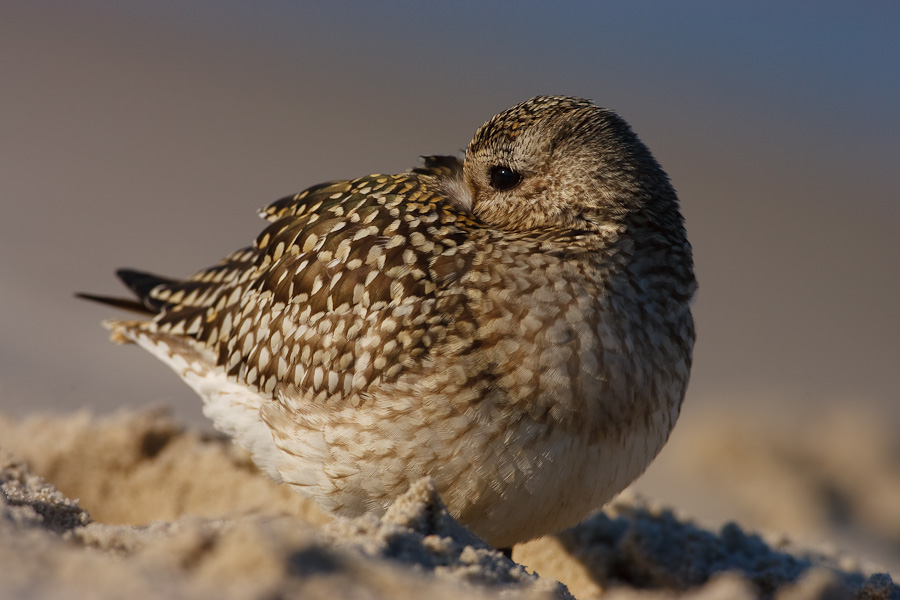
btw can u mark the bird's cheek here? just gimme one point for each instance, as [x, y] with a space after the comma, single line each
[482, 201]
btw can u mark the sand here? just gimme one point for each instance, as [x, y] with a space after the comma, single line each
[137, 505]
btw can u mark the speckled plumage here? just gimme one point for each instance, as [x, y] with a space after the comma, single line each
[527, 348]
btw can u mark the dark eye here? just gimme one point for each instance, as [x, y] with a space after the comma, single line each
[504, 178]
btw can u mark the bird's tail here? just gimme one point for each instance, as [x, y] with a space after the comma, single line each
[142, 285]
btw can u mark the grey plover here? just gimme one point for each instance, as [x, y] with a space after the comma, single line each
[515, 325]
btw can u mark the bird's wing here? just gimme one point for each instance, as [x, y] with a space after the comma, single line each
[445, 167]
[336, 294]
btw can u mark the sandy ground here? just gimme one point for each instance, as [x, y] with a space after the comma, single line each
[137, 505]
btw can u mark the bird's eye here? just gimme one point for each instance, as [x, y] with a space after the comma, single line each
[504, 178]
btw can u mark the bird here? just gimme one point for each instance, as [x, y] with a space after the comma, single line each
[513, 323]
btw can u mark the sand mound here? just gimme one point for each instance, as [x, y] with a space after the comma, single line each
[165, 512]
[833, 471]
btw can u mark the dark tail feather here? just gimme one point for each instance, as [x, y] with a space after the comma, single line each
[141, 284]
[123, 303]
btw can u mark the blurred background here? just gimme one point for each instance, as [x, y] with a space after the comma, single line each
[147, 134]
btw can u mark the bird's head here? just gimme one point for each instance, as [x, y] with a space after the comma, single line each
[564, 163]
